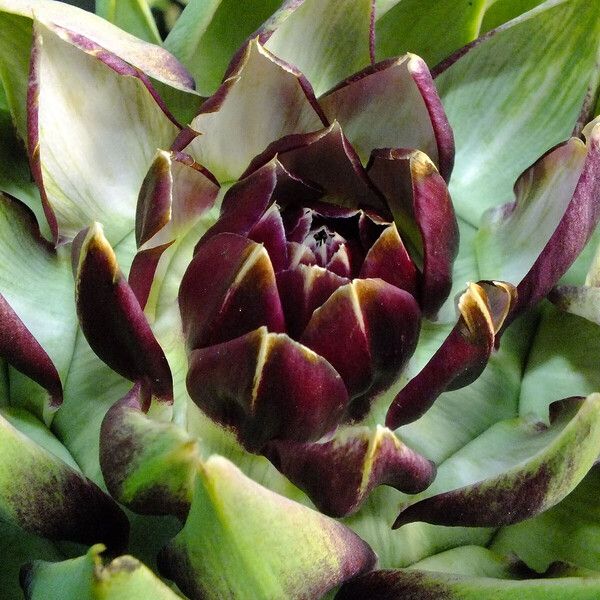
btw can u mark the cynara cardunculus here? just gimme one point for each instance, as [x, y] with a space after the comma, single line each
[272, 316]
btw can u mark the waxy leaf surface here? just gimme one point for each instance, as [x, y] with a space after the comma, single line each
[208, 33]
[515, 94]
[327, 40]
[255, 542]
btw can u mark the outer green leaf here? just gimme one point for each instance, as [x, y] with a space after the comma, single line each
[119, 124]
[327, 40]
[87, 578]
[473, 561]
[133, 16]
[183, 104]
[15, 46]
[237, 539]
[476, 561]
[433, 29]
[562, 361]
[15, 43]
[148, 465]
[153, 61]
[501, 11]
[208, 32]
[592, 277]
[17, 546]
[37, 432]
[515, 470]
[578, 300]
[514, 95]
[383, 6]
[413, 542]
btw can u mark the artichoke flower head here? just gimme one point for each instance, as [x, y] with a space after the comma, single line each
[257, 312]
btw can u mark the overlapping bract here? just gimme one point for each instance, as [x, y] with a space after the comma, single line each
[303, 302]
[325, 277]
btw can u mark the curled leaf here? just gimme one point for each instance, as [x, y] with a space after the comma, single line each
[339, 474]
[462, 356]
[111, 317]
[148, 465]
[417, 195]
[554, 214]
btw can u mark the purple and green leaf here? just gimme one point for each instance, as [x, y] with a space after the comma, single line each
[149, 465]
[284, 103]
[46, 496]
[339, 474]
[540, 464]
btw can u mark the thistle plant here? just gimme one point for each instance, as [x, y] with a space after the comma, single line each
[301, 301]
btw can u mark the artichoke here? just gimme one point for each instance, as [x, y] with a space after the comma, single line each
[272, 300]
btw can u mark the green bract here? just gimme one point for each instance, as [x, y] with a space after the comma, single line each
[273, 316]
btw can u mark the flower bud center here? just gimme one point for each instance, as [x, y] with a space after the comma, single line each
[324, 243]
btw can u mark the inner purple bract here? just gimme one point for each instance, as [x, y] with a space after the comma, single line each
[305, 286]
[331, 243]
